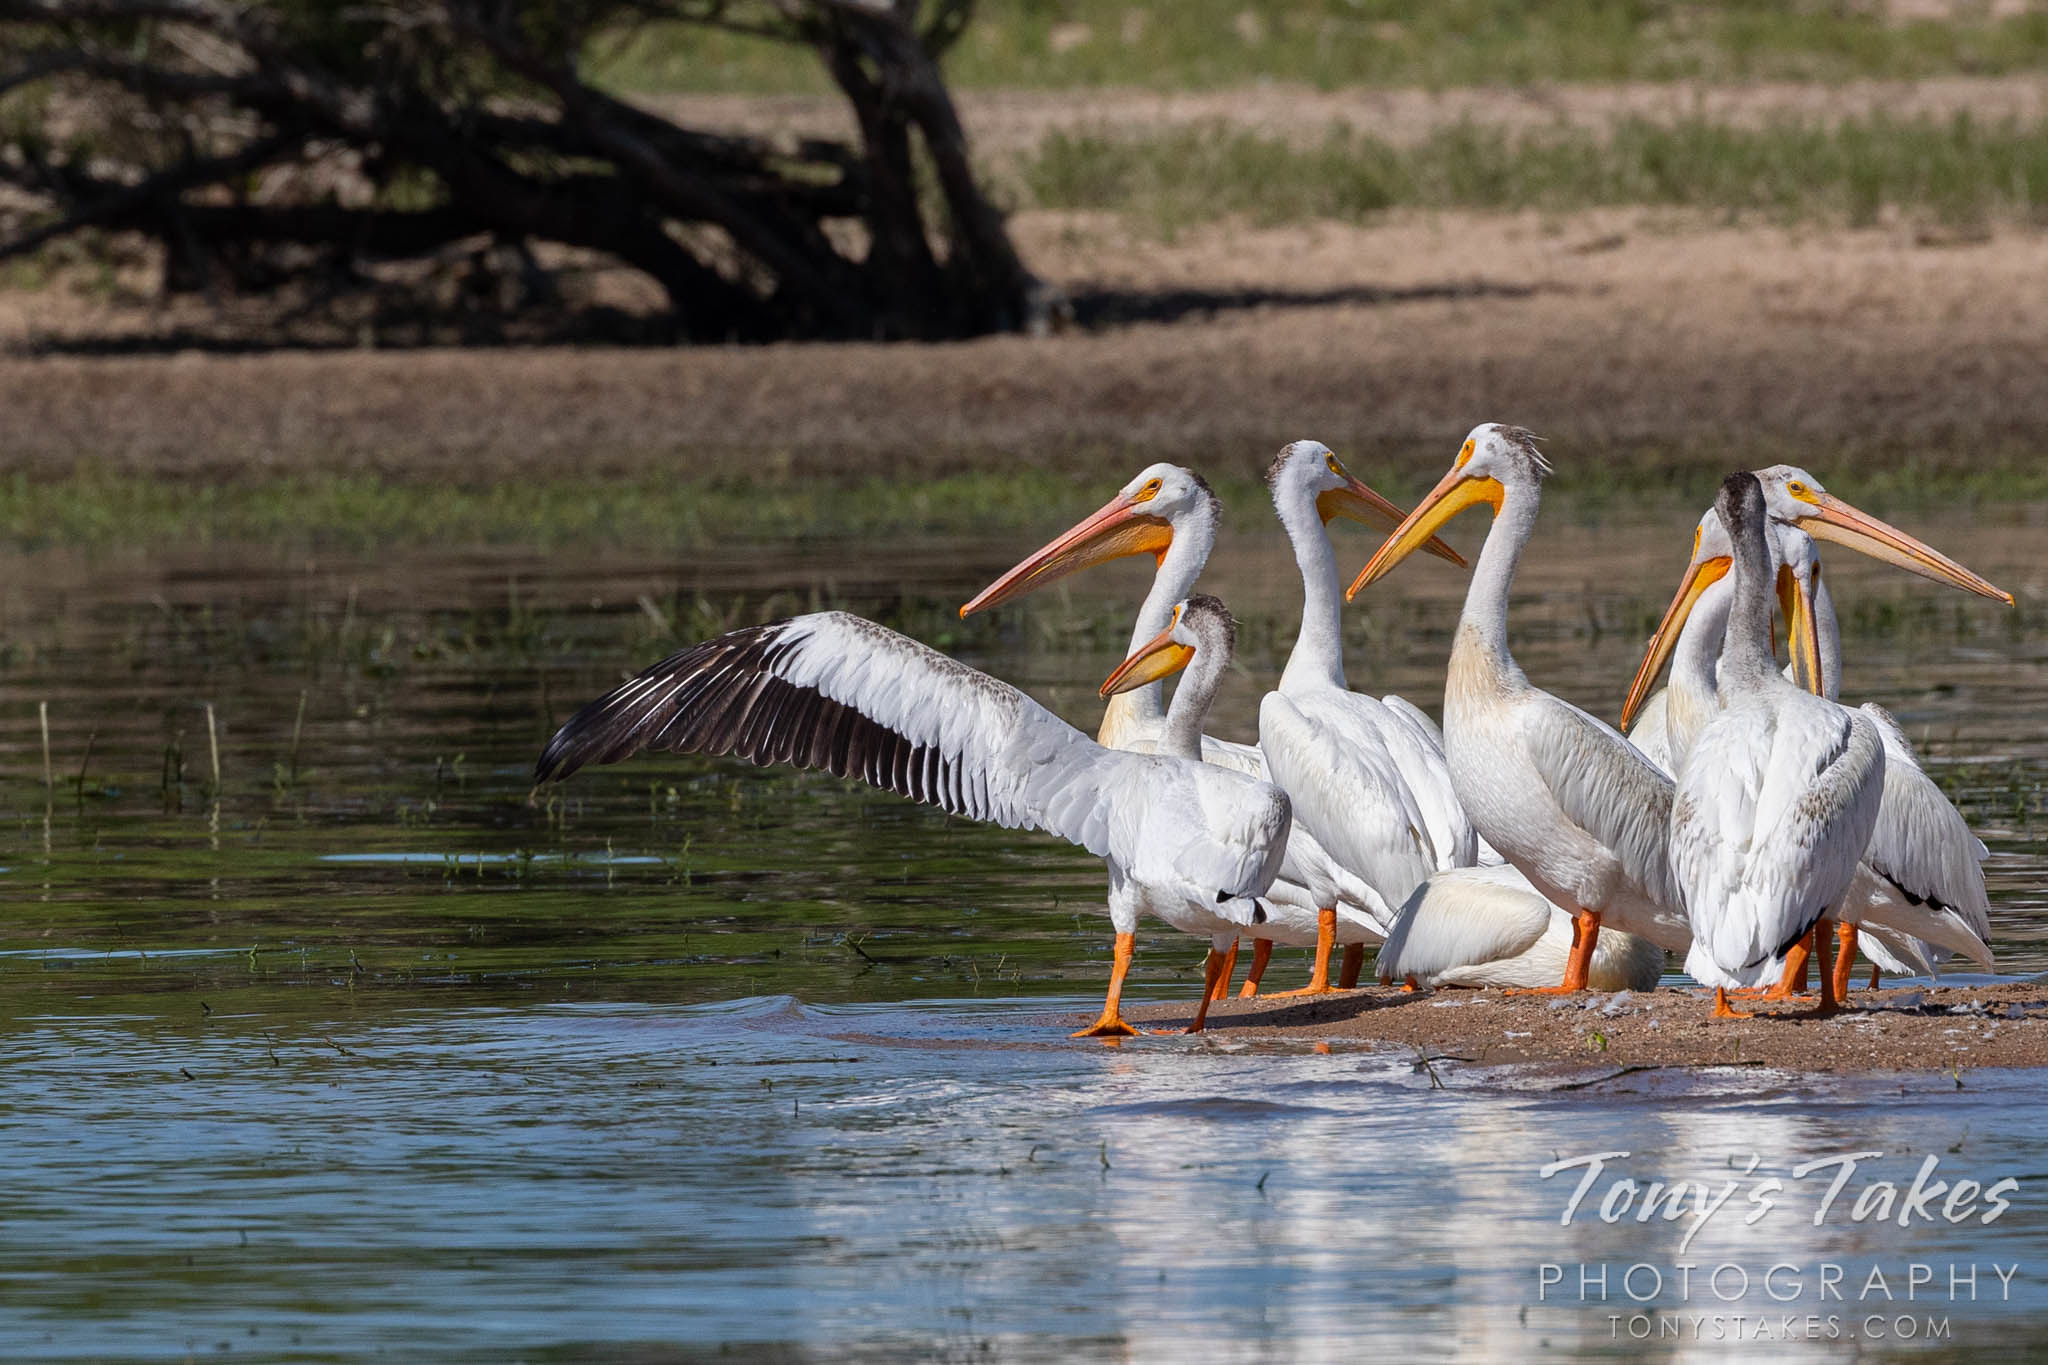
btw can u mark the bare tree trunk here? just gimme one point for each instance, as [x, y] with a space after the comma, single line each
[484, 99]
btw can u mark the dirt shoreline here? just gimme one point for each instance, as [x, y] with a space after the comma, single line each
[1634, 341]
[1942, 1028]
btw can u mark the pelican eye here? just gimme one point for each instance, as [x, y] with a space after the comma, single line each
[1464, 454]
[1799, 491]
[1695, 542]
[1148, 492]
[1335, 468]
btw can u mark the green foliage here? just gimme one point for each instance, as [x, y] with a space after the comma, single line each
[1213, 43]
[359, 511]
[1959, 170]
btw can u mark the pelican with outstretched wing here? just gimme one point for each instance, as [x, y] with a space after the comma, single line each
[1562, 796]
[1779, 795]
[1190, 842]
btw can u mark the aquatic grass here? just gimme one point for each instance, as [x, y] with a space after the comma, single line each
[1200, 44]
[1958, 171]
[357, 511]
[100, 508]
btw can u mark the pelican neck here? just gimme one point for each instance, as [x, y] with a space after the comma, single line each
[1485, 618]
[1142, 711]
[1317, 658]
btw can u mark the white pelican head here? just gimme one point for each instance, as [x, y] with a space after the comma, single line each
[1494, 457]
[1742, 514]
[1800, 509]
[1796, 497]
[1309, 472]
[1144, 516]
[1795, 562]
[1201, 625]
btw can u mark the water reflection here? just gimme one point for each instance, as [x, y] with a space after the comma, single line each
[917, 1179]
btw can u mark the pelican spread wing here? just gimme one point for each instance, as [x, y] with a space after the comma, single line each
[1752, 825]
[837, 692]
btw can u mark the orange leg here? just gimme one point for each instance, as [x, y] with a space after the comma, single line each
[1824, 943]
[1354, 963]
[1326, 939]
[1845, 960]
[1262, 953]
[1792, 983]
[1409, 985]
[1722, 1010]
[1874, 979]
[1111, 1024]
[1221, 990]
[1577, 967]
[1215, 981]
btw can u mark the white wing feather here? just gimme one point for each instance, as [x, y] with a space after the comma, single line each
[835, 691]
[1922, 849]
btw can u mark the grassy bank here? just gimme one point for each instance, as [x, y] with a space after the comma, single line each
[1194, 44]
[1959, 171]
[356, 512]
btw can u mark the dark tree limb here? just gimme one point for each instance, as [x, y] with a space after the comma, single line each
[452, 118]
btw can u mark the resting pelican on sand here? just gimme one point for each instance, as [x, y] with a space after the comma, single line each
[1779, 795]
[1563, 797]
[1373, 773]
[1921, 876]
[1486, 926]
[1193, 843]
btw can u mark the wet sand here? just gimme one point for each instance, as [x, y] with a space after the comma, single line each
[1944, 1028]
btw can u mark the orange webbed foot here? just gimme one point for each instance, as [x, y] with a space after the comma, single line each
[1722, 1009]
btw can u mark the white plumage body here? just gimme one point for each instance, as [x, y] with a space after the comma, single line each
[1772, 812]
[1561, 795]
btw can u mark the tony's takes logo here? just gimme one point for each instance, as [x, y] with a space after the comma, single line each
[1823, 1182]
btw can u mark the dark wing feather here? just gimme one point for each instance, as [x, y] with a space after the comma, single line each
[833, 691]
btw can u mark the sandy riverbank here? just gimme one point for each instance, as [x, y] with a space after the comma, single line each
[1942, 1028]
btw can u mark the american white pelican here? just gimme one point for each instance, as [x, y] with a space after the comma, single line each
[1563, 797]
[1920, 888]
[1364, 780]
[1778, 797]
[1190, 842]
[1170, 512]
[1486, 927]
[1697, 620]
[1922, 856]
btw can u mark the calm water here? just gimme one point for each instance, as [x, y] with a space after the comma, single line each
[370, 1048]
